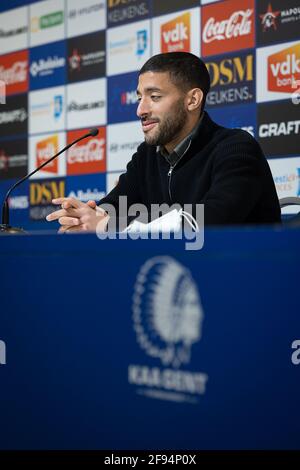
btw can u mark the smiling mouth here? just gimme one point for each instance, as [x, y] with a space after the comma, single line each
[148, 125]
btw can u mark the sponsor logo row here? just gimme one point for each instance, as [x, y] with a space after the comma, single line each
[85, 103]
[273, 71]
[275, 125]
[223, 27]
[32, 200]
[110, 150]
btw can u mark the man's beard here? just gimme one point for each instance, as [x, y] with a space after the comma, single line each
[169, 127]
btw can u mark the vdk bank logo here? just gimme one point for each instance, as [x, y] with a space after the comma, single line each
[2, 353]
[175, 34]
[44, 150]
[284, 69]
[167, 319]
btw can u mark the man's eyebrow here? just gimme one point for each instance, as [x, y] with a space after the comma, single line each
[149, 90]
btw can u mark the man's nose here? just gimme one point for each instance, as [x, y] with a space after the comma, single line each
[142, 109]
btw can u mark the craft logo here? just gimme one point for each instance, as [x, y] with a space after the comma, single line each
[14, 72]
[167, 319]
[46, 21]
[279, 128]
[125, 11]
[269, 19]
[2, 353]
[284, 69]
[232, 80]
[87, 156]
[175, 34]
[45, 149]
[277, 21]
[142, 42]
[227, 27]
[41, 195]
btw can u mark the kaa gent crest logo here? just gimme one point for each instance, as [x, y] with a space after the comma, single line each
[167, 312]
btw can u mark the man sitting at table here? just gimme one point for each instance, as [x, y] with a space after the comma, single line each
[186, 158]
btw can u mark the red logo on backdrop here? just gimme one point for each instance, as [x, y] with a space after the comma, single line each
[268, 19]
[227, 26]
[284, 69]
[14, 72]
[89, 155]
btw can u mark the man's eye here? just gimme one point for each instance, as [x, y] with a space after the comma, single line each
[155, 97]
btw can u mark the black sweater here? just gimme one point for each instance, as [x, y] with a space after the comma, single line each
[224, 169]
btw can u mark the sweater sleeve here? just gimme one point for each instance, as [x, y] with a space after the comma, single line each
[236, 181]
[123, 195]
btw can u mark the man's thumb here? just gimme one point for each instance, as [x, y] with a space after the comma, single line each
[92, 204]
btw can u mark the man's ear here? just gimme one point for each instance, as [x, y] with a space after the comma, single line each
[194, 99]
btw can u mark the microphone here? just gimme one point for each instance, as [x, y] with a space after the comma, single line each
[5, 227]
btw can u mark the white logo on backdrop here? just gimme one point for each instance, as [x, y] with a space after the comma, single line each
[167, 311]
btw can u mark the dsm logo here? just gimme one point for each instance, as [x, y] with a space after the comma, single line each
[167, 311]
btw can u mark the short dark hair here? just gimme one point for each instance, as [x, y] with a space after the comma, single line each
[186, 70]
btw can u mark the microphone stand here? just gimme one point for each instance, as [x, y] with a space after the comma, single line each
[5, 227]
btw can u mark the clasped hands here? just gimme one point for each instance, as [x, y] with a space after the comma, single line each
[77, 216]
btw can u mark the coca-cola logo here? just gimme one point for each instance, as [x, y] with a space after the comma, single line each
[238, 24]
[92, 151]
[17, 73]
[228, 27]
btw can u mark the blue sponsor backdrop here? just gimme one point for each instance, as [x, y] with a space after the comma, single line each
[47, 65]
[89, 187]
[243, 116]
[231, 102]
[122, 99]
